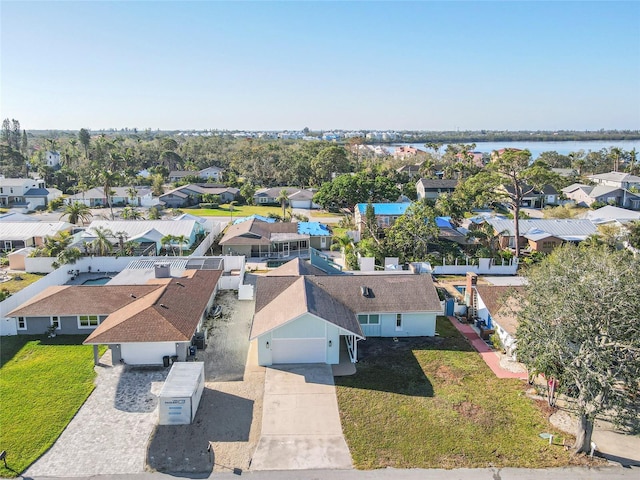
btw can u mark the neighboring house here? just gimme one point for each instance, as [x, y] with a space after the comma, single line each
[433, 188]
[140, 323]
[256, 238]
[616, 179]
[188, 195]
[95, 197]
[52, 159]
[535, 198]
[498, 307]
[15, 235]
[25, 193]
[146, 233]
[565, 172]
[587, 195]
[542, 235]
[386, 213]
[298, 198]
[407, 151]
[209, 173]
[410, 170]
[610, 214]
[308, 318]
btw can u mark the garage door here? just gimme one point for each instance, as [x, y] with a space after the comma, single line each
[146, 353]
[298, 350]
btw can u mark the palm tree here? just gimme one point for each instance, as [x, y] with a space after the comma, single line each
[167, 242]
[283, 198]
[343, 243]
[109, 179]
[101, 244]
[182, 241]
[132, 193]
[77, 211]
[129, 213]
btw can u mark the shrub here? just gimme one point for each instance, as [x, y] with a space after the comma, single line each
[209, 205]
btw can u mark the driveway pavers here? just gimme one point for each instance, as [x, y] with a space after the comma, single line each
[301, 426]
[109, 433]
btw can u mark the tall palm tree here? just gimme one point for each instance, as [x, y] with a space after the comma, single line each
[182, 241]
[129, 213]
[167, 242]
[108, 180]
[283, 198]
[102, 244]
[77, 211]
[132, 193]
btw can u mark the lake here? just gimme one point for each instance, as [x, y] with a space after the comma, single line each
[536, 148]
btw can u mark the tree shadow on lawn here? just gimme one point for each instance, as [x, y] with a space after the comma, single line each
[11, 345]
[390, 365]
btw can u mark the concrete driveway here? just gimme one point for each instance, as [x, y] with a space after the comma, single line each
[301, 426]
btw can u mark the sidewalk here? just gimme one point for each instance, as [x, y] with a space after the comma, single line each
[487, 354]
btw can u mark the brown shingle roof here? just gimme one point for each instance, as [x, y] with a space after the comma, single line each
[294, 267]
[256, 232]
[170, 316]
[502, 304]
[81, 300]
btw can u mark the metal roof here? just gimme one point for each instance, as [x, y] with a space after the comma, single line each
[385, 208]
[26, 230]
[566, 229]
[135, 228]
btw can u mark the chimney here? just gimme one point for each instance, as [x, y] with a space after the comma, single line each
[163, 270]
[472, 280]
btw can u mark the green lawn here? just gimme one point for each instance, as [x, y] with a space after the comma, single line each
[433, 403]
[238, 211]
[14, 286]
[43, 383]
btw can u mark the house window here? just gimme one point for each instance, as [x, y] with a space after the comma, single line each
[398, 321]
[55, 322]
[303, 244]
[88, 321]
[22, 323]
[373, 319]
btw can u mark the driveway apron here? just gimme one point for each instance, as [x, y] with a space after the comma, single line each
[301, 426]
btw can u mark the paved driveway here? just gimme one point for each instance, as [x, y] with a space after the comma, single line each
[109, 433]
[301, 426]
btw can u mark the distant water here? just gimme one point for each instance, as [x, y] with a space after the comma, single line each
[536, 148]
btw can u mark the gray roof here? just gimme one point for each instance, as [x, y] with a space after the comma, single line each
[98, 192]
[36, 192]
[274, 192]
[616, 177]
[610, 213]
[256, 232]
[429, 183]
[295, 267]
[565, 229]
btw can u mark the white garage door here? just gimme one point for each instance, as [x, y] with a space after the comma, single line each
[146, 353]
[298, 350]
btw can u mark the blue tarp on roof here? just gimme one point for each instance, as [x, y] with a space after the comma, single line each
[443, 222]
[315, 229]
[385, 208]
[254, 217]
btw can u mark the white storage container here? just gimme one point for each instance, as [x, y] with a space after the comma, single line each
[181, 393]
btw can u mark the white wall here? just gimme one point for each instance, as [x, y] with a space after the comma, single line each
[485, 267]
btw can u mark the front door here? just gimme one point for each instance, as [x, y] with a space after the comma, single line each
[285, 250]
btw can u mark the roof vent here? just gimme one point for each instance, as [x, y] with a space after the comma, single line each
[164, 306]
[364, 291]
[181, 284]
[132, 295]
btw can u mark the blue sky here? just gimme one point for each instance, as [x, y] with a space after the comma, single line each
[350, 65]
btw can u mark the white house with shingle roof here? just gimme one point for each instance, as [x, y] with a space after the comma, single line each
[307, 318]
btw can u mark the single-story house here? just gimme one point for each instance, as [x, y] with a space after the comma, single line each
[433, 188]
[209, 173]
[301, 318]
[140, 323]
[616, 179]
[256, 238]
[146, 232]
[14, 235]
[498, 307]
[95, 197]
[542, 234]
[586, 195]
[298, 197]
[188, 195]
[536, 198]
[611, 214]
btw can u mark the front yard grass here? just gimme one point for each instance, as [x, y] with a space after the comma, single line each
[238, 211]
[433, 403]
[43, 383]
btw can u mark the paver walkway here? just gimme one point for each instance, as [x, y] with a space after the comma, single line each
[109, 434]
[301, 426]
[488, 355]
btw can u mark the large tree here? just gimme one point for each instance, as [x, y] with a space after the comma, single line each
[348, 190]
[330, 160]
[410, 235]
[77, 211]
[580, 324]
[508, 179]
